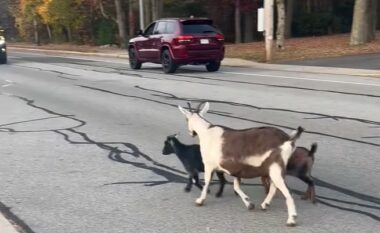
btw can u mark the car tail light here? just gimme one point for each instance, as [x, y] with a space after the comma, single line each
[184, 39]
[219, 37]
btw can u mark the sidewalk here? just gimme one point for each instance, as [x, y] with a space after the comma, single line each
[231, 62]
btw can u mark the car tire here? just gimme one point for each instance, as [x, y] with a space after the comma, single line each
[133, 60]
[213, 66]
[3, 59]
[168, 65]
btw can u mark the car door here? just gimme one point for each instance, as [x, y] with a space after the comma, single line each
[144, 45]
[156, 40]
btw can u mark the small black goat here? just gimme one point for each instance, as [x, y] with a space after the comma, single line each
[190, 157]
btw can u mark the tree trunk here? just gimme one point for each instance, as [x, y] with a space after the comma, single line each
[156, 9]
[372, 19]
[308, 6]
[289, 18]
[361, 26]
[147, 12]
[378, 17]
[248, 26]
[35, 28]
[131, 18]
[120, 19]
[280, 42]
[69, 34]
[49, 32]
[237, 22]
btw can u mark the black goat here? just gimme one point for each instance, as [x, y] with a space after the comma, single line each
[300, 165]
[190, 157]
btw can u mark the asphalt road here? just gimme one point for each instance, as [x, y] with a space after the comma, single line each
[81, 143]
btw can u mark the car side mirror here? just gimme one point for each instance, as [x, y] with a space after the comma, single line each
[140, 32]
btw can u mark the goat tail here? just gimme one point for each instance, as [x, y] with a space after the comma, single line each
[313, 149]
[296, 134]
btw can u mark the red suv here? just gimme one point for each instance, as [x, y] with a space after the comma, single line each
[175, 42]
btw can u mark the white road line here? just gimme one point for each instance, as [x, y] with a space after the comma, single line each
[306, 79]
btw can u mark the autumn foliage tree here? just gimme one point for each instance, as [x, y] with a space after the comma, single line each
[115, 21]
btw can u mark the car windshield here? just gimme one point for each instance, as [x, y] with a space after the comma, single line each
[198, 28]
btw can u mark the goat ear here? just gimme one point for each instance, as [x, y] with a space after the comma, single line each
[184, 111]
[204, 109]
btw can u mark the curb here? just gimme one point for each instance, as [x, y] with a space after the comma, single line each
[303, 69]
[233, 62]
[70, 52]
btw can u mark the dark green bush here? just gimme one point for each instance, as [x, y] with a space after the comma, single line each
[105, 32]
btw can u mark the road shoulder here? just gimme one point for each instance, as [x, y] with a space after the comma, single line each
[231, 62]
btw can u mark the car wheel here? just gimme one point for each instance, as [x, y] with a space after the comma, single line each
[168, 64]
[3, 59]
[213, 66]
[133, 61]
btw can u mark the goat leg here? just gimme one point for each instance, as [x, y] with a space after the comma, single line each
[243, 196]
[189, 183]
[197, 183]
[310, 193]
[222, 183]
[208, 176]
[266, 183]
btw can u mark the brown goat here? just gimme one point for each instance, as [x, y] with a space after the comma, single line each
[246, 153]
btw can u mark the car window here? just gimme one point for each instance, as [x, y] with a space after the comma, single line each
[198, 28]
[161, 28]
[170, 27]
[149, 30]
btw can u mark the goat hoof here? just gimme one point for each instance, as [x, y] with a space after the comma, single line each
[251, 206]
[304, 197]
[199, 202]
[264, 206]
[218, 195]
[187, 190]
[292, 224]
[291, 221]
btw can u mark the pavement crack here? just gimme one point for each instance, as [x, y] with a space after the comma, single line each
[243, 118]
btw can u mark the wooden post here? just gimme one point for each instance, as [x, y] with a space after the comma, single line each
[268, 21]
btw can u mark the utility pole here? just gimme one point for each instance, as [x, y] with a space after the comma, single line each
[141, 8]
[269, 22]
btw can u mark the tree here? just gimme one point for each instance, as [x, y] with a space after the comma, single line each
[121, 22]
[364, 22]
[280, 24]
[237, 22]
[289, 18]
